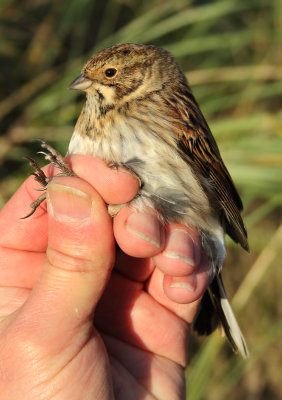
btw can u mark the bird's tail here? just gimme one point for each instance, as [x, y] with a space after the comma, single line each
[215, 308]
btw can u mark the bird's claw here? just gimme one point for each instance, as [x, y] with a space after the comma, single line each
[36, 204]
[55, 158]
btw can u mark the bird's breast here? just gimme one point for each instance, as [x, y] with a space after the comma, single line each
[169, 183]
[151, 152]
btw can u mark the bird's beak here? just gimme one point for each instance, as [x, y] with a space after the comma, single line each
[80, 83]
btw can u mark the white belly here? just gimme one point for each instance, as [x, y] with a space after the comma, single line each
[168, 182]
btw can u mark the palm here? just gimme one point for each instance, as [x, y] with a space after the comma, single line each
[145, 342]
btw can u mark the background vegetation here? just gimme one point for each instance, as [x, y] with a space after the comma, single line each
[231, 50]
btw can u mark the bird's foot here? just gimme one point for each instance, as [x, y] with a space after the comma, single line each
[55, 158]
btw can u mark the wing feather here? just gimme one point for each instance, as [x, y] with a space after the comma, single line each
[197, 142]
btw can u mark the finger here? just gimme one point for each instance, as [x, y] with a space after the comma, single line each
[136, 269]
[11, 299]
[181, 252]
[139, 234]
[179, 257]
[187, 289]
[20, 268]
[181, 291]
[183, 294]
[80, 256]
[24, 234]
[116, 186]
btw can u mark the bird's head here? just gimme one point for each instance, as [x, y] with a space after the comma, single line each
[127, 71]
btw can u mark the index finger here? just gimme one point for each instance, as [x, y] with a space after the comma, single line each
[114, 185]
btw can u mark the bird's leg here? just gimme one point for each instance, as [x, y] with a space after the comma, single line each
[55, 158]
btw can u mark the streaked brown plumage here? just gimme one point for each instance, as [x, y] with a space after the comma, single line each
[141, 113]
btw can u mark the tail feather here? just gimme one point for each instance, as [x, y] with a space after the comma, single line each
[207, 320]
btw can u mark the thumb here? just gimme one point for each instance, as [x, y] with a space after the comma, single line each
[80, 256]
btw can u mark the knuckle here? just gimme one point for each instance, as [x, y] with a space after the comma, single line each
[69, 262]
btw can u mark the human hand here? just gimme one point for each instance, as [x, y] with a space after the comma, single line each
[55, 278]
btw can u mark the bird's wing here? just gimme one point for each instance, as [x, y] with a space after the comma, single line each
[197, 142]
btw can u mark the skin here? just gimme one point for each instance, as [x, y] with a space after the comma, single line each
[56, 278]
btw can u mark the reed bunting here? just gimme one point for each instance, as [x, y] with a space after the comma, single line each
[140, 113]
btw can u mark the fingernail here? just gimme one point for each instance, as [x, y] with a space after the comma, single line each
[145, 226]
[68, 204]
[180, 246]
[184, 282]
[129, 172]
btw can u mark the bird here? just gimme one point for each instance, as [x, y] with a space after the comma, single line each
[140, 113]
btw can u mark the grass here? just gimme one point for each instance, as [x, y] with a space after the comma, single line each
[231, 51]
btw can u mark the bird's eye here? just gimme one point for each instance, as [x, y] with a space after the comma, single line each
[110, 72]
